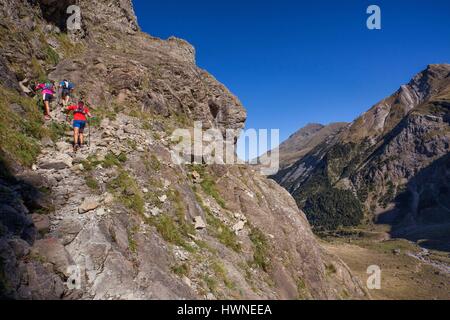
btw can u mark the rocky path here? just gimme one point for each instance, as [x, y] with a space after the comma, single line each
[70, 237]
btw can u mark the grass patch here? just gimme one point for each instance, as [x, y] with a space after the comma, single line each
[95, 122]
[58, 130]
[175, 230]
[223, 233]
[146, 125]
[92, 183]
[389, 246]
[90, 163]
[155, 183]
[181, 270]
[103, 112]
[302, 289]
[170, 231]
[20, 133]
[156, 136]
[151, 162]
[180, 212]
[110, 161]
[68, 48]
[209, 185]
[211, 283]
[38, 258]
[218, 229]
[132, 244]
[118, 108]
[261, 257]
[52, 57]
[154, 163]
[221, 273]
[132, 144]
[38, 71]
[127, 191]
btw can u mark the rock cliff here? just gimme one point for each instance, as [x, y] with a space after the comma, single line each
[120, 220]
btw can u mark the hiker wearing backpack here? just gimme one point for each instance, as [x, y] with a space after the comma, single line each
[80, 111]
[67, 88]
[48, 92]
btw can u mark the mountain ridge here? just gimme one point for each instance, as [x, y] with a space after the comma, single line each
[303, 141]
[371, 162]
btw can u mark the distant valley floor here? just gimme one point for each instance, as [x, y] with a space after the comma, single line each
[408, 271]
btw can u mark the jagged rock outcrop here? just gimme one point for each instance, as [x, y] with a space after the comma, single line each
[374, 165]
[96, 15]
[117, 220]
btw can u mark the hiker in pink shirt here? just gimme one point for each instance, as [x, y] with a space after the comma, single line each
[48, 92]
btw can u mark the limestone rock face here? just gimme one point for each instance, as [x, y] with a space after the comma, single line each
[116, 15]
[111, 14]
[156, 229]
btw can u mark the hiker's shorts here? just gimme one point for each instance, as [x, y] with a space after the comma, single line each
[79, 124]
[47, 97]
[65, 92]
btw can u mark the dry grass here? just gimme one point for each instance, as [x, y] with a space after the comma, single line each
[403, 277]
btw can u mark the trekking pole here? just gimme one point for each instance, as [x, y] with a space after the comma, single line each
[89, 131]
[59, 93]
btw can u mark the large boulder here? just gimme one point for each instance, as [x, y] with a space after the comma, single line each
[89, 204]
[52, 251]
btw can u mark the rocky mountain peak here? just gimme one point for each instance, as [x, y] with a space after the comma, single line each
[441, 70]
[424, 84]
[386, 114]
[304, 140]
[307, 130]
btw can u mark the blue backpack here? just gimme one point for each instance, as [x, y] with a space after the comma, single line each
[67, 85]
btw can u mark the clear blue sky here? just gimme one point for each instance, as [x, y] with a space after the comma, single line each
[292, 62]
